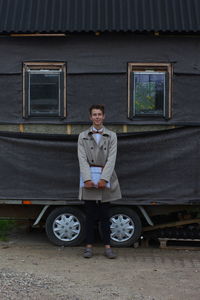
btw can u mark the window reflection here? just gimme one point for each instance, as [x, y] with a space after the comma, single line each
[149, 92]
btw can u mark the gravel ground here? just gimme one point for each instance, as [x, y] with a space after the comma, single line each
[32, 268]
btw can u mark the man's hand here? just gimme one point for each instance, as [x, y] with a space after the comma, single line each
[101, 184]
[88, 184]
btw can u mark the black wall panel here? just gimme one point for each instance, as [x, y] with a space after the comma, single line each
[97, 73]
[107, 53]
[10, 98]
[154, 167]
[107, 89]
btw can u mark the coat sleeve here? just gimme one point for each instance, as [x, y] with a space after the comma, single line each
[83, 162]
[110, 163]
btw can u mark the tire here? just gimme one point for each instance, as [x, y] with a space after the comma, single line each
[125, 226]
[65, 226]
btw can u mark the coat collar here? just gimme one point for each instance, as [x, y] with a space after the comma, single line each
[105, 131]
[87, 134]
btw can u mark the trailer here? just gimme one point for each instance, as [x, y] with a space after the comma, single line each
[141, 60]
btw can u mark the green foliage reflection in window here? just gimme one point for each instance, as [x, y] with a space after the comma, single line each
[149, 93]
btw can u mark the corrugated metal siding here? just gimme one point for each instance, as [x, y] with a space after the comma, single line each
[58, 16]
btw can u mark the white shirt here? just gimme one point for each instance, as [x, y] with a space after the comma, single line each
[97, 135]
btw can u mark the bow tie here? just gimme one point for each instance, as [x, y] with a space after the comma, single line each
[97, 131]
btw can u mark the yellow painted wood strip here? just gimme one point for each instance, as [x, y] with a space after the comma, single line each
[125, 128]
[69, 129]
[21, 127]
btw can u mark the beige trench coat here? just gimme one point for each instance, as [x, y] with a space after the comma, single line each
[102, 154]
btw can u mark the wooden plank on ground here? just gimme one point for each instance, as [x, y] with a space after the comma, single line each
[172, 224]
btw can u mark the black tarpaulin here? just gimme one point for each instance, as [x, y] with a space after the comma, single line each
[161, 167]
[105, 54]
[97, 72]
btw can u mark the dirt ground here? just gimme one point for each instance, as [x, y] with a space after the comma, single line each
[32, 268]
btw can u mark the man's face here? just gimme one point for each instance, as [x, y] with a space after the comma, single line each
[97, 118]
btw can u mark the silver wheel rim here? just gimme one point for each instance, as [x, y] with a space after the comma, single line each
[66, 227]
[122, 228]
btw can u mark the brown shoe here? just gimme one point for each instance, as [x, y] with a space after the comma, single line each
[109, 253]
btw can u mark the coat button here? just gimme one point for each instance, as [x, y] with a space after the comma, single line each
[92, 148]
[104, 148]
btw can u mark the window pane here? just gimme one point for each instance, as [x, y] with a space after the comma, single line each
[149, 93]
[44, 93]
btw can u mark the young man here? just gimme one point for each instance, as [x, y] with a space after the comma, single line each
[97, 149]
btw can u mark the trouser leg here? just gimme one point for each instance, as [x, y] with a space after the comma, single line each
[91, 216]
[105, 221]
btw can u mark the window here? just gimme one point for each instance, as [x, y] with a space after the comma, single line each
[44, 87]
[149, 90]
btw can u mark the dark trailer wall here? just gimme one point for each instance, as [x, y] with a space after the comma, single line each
[100, 39]
[154, 168]
[97, 71]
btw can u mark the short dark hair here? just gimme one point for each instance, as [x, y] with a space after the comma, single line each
[97, 106]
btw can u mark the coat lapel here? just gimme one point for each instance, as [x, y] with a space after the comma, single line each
[103, 139]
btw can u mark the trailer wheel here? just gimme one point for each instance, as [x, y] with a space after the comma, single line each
[65, 226]
[125, 226]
